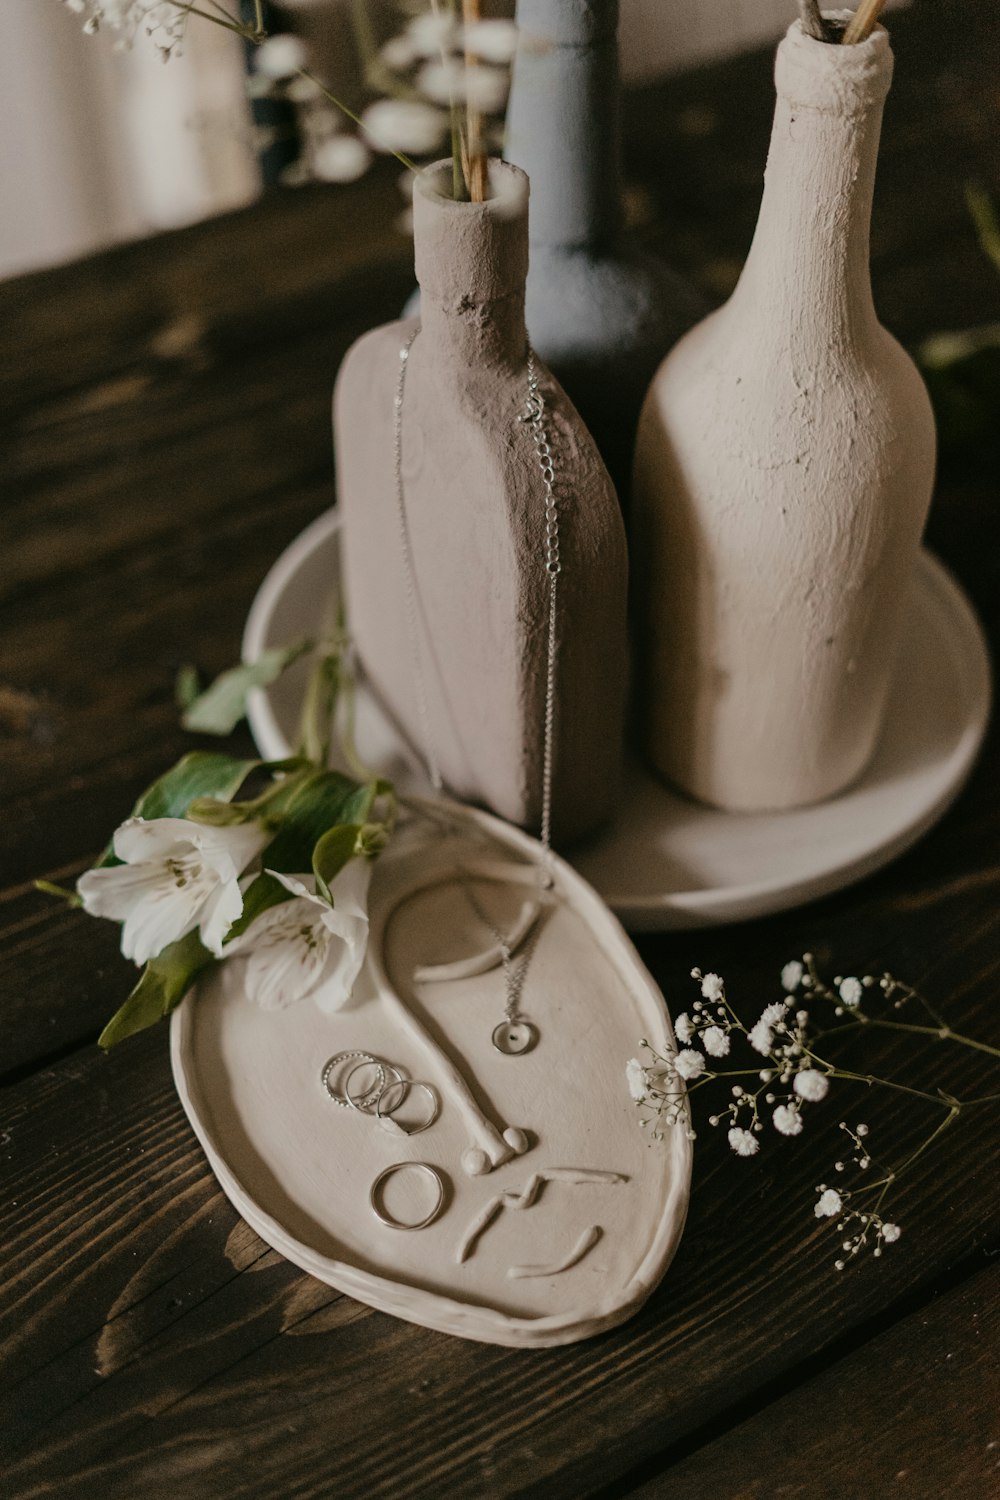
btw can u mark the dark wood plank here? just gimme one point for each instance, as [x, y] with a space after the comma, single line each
[914, 1412]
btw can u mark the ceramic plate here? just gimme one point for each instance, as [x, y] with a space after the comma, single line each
[672, 863]
[578, 1219]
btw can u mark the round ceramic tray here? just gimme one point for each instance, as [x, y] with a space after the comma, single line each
[668, 862]
[577, 1219]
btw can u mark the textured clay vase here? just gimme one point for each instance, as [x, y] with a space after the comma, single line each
[784, 468]
[601, 313]
[475, 510]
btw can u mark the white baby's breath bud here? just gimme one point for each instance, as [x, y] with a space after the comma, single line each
[761, 1037]
[891, 1233]
[743, 1142]
[737, 1091]
[341, 158]
[399, 53]
[787, 1120]
[683, 1030]
[802, 1017]
[443, 81]
[712, 987]
[280, 56]
[791, 975]
[861, 1130]
[766, 1074]
[486, 89]
[494, 41]
[430, 34]
[635, 1076]
[811, 1085]
[828, 1204]
[688, 1063]
[404, 125]
[850, 991]
[715, 1041]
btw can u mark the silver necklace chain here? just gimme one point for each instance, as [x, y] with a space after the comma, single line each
[533, 417]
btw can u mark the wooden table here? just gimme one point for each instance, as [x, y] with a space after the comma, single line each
[165, 434]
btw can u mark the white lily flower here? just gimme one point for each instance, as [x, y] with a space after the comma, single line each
[305, 947]
[176, 876]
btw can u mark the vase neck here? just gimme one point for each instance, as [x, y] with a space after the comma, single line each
[472, 262]
[807, 272]
[563, 120]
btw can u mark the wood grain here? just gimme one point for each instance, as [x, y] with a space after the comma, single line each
[166, 433]
[920, 1402]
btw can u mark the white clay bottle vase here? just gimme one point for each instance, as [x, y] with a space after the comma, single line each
[784, 468]
[602, 312]
[474, 505]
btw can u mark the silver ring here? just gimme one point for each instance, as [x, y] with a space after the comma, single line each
[368, 1102]
[340, 1057]
[405, 1085]
[402, 1166]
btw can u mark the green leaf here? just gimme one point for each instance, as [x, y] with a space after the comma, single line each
[165, 981]
[202, 773]
[187, 686]
[223, 704]
[331, 854]
[268, 807]
[326, 799]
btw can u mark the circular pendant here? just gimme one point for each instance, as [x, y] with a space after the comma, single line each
[514, 1037]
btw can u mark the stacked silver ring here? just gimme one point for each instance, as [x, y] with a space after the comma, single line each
[372, 1101]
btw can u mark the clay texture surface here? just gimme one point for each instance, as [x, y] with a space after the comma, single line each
[475, 509]
[299, 1168]
[783, 473]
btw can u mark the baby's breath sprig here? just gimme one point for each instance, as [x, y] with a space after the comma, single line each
[792, 1074]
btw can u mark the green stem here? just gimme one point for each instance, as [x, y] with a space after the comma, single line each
[406, 161]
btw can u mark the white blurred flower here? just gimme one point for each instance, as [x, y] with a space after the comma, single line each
[715, 1041]
[280, 56]
[486, 89]
[772, 1014]
[851, 991]
[399, 53]
[787, 1120]
[176, 876]
[305, 947]
[340, 158]
[683, 1029]
[442, 81]
[430, 34]
[891, 1233]
[791, 975]
[688, 1063]
[404, 125]
[493, 41]
[812, 1085]
[635, 1075]
[743, 1142]
[828, 1204]
[712, 987]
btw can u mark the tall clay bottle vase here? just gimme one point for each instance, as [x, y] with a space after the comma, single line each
[474, 505]
[600, 311]
[784, 468]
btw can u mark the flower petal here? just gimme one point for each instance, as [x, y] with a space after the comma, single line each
[159, 919]
[285, 967]
[219, 913]
[141, 838]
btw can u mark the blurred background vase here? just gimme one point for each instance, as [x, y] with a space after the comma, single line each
[601, 312]
[784, 468]
[474, 505]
